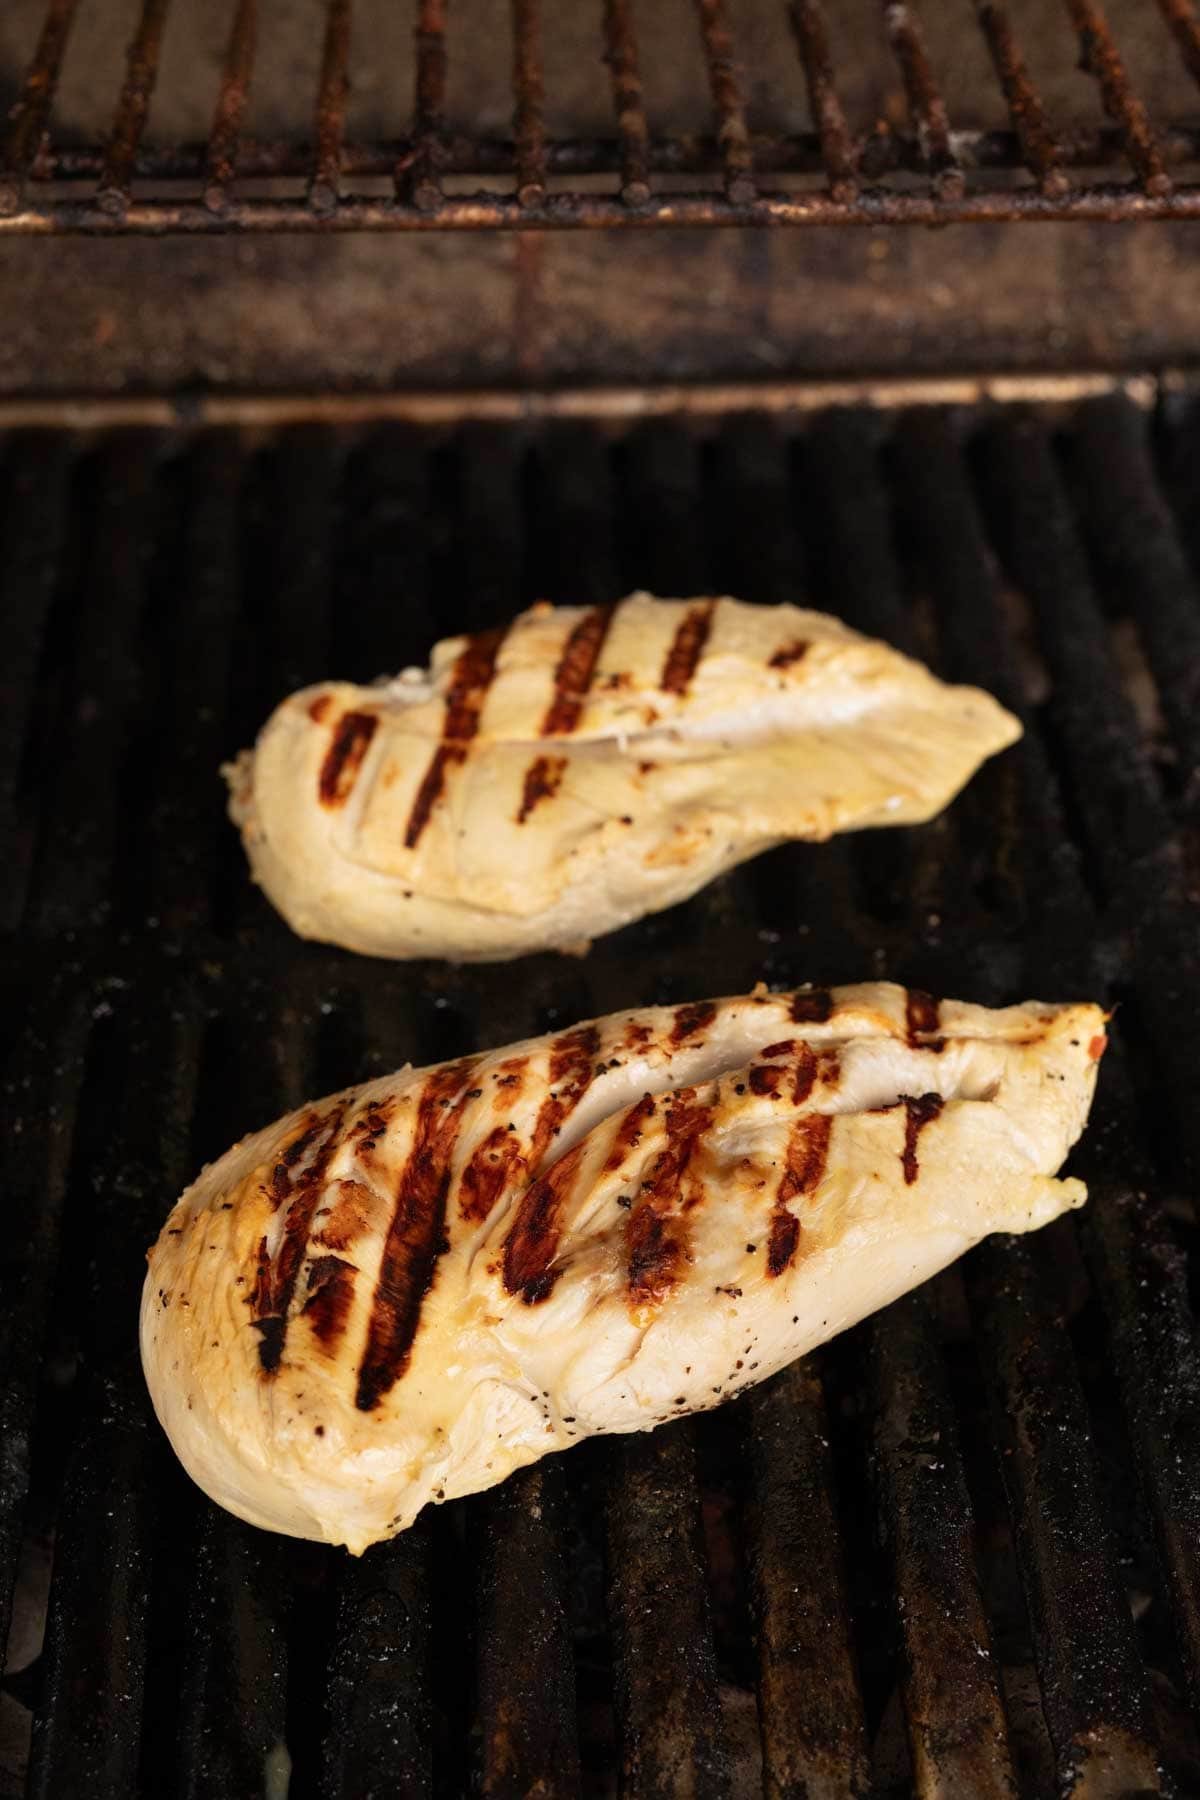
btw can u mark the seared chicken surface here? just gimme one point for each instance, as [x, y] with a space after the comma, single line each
[406, 1291]
[545, 783]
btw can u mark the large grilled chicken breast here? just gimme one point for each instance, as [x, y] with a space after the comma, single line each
[545, 783]
[404, 1292]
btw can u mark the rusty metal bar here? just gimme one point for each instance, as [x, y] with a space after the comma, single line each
[1109, 203]
[1100, 58]
[1184, 21]
[27, 120]
[529, 126]
[807, 19]
[133, 109]
[925, 100]
[418, 172]
[1025, 108]
[733, 134]
[621, 55]
[324, 190]
[221, 156]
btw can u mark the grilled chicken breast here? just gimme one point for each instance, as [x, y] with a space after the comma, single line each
[545, 783]
[404, 1292]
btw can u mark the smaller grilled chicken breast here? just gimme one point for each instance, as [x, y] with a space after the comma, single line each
[543, 784]
[404, 1292]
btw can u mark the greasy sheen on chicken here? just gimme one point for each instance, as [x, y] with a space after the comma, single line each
[544, 783]
[406, 1291]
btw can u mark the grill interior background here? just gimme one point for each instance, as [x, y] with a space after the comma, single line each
[984, 1506]
[1118, 162]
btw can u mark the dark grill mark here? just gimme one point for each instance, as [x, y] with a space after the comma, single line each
[918, 1113]
[806, 1075]
[785, 1047]
[416, 1235]
[572, 1066]
[692, 1019]
[430, 791]
[765, 1080]
[531, 1245]
[473, 673]
[637, 1035]
[350, 1215]
[922, 1016]
[789, 653]
[576, 667]
[813, 1007]
[542, 780]
[654, 1256]
[629, 1132]
[281, 1175]
[687, 647]
[274, 1288]
[655, 1240]
[344, 758]
[807, 1152]
[492, 1168]
[330, 1293]
[318, 708]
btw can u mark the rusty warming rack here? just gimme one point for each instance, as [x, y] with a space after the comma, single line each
[1123, 165]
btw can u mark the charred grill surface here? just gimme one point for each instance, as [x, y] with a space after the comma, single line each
[957, 1550]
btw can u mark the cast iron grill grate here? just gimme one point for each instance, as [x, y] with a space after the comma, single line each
[958, 1552]
[1119, 163]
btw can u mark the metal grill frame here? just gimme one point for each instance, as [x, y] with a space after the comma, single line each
[926, 174]
[1068, 864]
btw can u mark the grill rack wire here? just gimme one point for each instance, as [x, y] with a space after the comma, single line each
[161, 590]
[1126, 165]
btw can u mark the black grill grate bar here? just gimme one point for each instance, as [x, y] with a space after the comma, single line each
[1092, 1679]
[526, 1662]
[1127, 828]
[1138, 1268]
[733, 135]
[1141, 1278]
[33, 528]
[87, 1730]
[43, 1076]
[233, 1722]
[529, 126]
[810, 1704]
[224, 138]
[621, 54]
[1038, 146]
[1134, 540]
[381, 1727]
[1102, 59]
[88, 1725]
[418, 173]
[99, 623]
[811, 32]
[133, 108]
[957, 1730]
[176, 829]
[28, 118]
[668, 1708]
[333, 91]
[926, 104]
